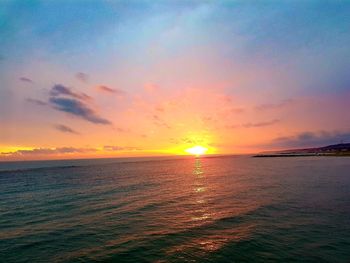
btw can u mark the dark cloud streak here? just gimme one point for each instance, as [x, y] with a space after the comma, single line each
[66, 100]
[253, 124]
[27, 80]
[260, 124]
[66, 129]
[59, 89]
[106, 89]
[77, 108]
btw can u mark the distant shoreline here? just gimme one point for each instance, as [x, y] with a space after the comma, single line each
[342, 149]
[302, 155]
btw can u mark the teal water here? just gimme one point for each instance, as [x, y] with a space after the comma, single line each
[223, 209]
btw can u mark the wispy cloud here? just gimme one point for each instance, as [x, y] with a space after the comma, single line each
[272, 106]
[68, 150]
[225, 99]
[27, 80]
[160, 122]
[77, 108]
[83, 77]
[66, 100]
[187, 140]
[45, 151]
[120, 148]
[59, 89]
[36, 102]
[237, 110]
[106, 89]
[260, 124]
[159, 109]
[64, 128]
[253, 124]
[232, 126]
[121, 130]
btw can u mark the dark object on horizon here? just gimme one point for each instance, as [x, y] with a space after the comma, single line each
[341, 149]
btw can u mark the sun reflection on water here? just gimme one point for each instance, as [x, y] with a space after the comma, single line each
[201, 212]
[198, 167]
[210, 221]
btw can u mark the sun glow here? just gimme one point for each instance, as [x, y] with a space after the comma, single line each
[196, 150]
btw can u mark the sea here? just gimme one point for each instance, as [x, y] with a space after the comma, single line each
[205, 209]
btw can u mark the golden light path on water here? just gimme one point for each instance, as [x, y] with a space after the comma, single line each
[204, 214]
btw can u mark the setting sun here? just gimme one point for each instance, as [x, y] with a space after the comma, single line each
[196, 150]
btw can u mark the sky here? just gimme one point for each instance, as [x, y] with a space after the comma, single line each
[93, 79]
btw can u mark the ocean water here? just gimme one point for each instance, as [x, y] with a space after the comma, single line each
[222, 209]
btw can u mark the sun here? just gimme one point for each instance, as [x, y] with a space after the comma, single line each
[196, 150]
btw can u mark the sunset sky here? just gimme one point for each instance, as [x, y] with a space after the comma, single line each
[138, 78]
